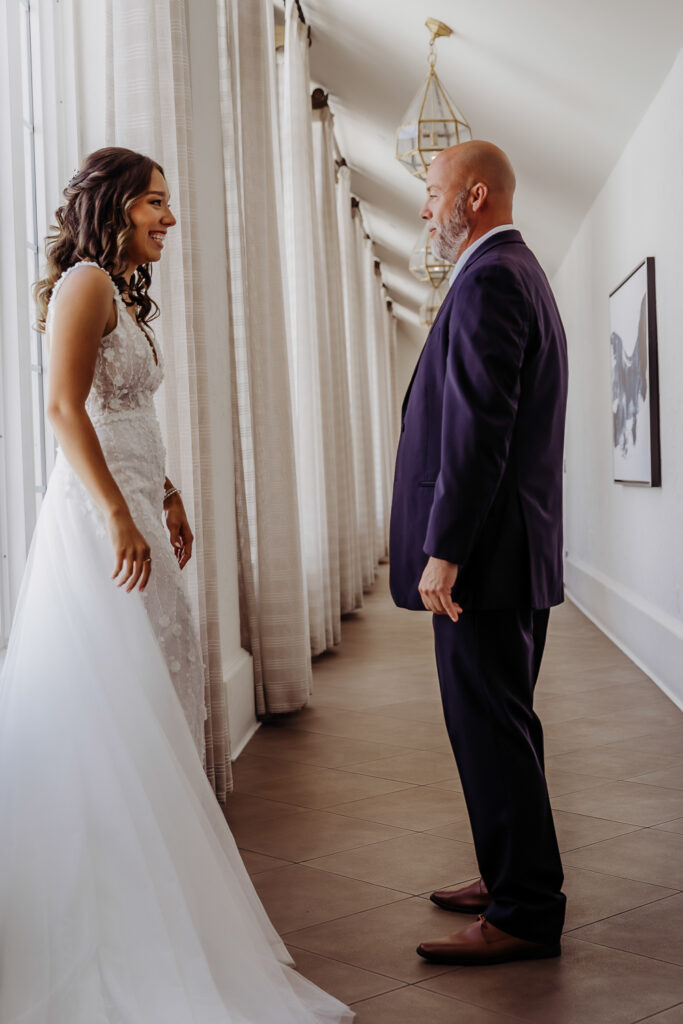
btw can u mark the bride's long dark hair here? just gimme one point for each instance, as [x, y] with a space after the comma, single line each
[94, 224]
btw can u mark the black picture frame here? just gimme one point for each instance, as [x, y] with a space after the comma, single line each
[636, 443]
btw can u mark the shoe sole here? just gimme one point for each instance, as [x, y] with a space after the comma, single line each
[465, 961]
[460, 910]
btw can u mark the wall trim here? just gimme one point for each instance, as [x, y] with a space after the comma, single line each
[238, 679]
[651, 638]
[237, 749]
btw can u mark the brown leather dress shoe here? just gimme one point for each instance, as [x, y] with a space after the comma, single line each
[483, 943]
[471, 899]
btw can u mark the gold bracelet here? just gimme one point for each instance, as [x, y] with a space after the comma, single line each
[170, 492]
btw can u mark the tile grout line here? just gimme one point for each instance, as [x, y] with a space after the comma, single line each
[337, 874]
[443, 995]
[619, 913]
[651, 1016]
[348, 849]
[618, 949]
[367, 970]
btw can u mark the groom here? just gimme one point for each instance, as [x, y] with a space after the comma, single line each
[476, 538]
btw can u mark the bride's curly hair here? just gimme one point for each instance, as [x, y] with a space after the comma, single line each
[94, 224]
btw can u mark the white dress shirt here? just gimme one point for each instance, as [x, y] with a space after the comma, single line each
[466, 253]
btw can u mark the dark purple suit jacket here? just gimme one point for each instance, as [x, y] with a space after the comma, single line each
[479, 467]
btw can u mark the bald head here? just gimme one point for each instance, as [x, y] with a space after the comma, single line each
[477, 161]
[470, 188]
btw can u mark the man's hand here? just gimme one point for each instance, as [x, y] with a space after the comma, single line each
[438, 580]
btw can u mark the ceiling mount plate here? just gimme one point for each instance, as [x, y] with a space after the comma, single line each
[437, 28]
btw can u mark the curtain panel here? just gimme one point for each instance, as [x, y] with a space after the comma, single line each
[334, 328]
[309, 345]
[373, 333]
[148, 109]
[383, 384]
[350, 238]
[274, 615]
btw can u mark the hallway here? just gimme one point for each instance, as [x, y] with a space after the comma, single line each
[350, 813]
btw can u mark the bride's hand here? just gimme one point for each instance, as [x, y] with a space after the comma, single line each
[133, 560]
[179, 529]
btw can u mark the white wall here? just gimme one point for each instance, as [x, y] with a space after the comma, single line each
[624, 543]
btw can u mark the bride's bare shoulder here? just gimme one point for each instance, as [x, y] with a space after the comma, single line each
[84, 296]
[87, 280]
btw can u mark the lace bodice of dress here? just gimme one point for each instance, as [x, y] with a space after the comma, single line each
[127, 372]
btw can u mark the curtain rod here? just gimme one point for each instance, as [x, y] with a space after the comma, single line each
[319, 100]
[302, 19]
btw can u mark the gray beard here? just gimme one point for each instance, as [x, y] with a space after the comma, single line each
[449, 237]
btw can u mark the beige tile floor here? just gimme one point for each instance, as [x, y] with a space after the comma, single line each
[350, 813]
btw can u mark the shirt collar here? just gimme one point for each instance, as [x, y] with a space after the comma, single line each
[466, 253]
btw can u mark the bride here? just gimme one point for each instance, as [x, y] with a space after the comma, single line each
[123, 898]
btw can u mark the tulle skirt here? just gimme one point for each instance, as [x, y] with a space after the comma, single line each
[123, 898]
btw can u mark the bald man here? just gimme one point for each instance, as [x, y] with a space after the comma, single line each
[476, 539]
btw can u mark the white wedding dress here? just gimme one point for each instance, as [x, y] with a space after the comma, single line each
[123, 898]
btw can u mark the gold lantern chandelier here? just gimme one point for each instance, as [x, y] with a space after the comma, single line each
[432, 122]
[425, 265]
[431, 306]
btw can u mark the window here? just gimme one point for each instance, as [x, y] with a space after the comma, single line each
[43, 441]
[27, 445]
[4, 546]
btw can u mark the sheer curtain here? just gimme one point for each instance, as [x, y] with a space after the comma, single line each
[350, 238]
[149, 109]
[274, 613]
[371, 285]
[350, 569]
[393, 398]
[384, 401]
[309, 344]
[367, 285]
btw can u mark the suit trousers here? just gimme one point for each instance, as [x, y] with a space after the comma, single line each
[488, 664]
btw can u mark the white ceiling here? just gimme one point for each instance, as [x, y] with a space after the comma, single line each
[560, 86]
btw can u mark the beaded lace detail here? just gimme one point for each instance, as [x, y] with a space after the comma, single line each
[121, 407]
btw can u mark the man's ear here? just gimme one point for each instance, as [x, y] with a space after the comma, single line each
[479, 193]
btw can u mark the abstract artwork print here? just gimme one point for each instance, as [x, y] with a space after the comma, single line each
[635, 392]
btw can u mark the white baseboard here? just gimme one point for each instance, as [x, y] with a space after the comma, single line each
[651, 638]
[236, 749]
[238, 678]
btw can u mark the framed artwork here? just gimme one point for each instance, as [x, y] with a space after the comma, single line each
[635, 379]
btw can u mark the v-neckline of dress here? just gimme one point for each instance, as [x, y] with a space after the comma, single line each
[124, 312]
